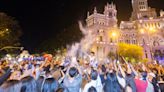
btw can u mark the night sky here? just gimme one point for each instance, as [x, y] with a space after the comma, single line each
[43, 19]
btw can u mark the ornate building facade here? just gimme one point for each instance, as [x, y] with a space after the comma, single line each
[144, 28]
[101, 24]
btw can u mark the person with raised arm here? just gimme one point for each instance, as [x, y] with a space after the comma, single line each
[120, 75]
[95, 82]
[129, 77]
[140, 79]
[111, 82]
[74, 77]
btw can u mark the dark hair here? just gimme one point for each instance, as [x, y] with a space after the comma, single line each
[39, 83]
[28, 84]
[62, 89]
[50, 85]
[103, 68]
[11, 86]
[73, 72]
[155, 82]
[93, 53]
[144, 75]
[92, 89]
[94, 75]
[162, 77]
[111, 76]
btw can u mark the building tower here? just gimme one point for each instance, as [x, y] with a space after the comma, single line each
[141, 10]
[100, 24]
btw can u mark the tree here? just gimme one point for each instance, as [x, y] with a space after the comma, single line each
[130, 51]
[10, 31]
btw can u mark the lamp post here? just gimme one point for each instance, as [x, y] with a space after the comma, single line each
[115, 36]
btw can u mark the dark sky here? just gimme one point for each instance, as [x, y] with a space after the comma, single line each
[43, 19]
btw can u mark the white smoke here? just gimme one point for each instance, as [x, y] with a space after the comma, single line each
[82, 48]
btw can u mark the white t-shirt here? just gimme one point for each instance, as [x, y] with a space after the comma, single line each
[95, 83]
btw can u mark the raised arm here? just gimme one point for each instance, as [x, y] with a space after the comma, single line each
[128, 66]
[79, 69]
[120, 68]
[124, 60]
[121, 80]
[133, 70]
[62, 78]
[115, 67]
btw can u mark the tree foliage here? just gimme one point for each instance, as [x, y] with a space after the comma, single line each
[10, 31]
[130, 51]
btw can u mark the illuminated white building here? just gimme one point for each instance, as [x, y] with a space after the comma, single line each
[101, 25]
[145, 28]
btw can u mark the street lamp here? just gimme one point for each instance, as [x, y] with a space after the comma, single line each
[142, 31]
[114, 36]
[7, 29]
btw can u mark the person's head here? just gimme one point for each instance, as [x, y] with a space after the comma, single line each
[155, 71]
[139, 74]
[62, 90]
[92, 89]
[92, 53]
[144, 75]
[110, 66]
[161, 78]
[73, 72]
[124, 68]
[39, 82]
[151, 76]
[94, 75]
[37, 65]
[11, 86]
[103, 68]
[111, 76]
[28, 84]
[50, 85]
[48, 73]
[128, 71]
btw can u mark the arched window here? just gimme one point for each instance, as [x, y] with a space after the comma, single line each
[110, 15]
[146, 54]
[101, 39]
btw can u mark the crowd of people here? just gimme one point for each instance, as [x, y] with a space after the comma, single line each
[80, 75]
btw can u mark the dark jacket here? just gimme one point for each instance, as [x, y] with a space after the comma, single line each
[130, 81]
[111, 83]
[4, 77]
